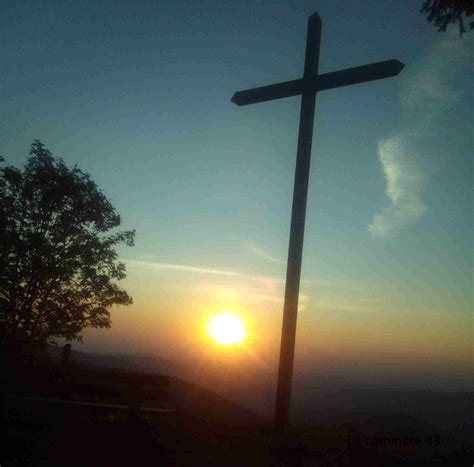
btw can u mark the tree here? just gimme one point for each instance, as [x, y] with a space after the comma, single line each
[444, 12]
[58, 265]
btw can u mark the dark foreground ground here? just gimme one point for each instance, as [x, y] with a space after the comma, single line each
[197, 428]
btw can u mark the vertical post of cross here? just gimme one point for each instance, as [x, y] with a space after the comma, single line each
[298, 215]
[311, 83]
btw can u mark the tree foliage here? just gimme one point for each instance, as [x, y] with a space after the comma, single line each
[445, 12]
[58, 265]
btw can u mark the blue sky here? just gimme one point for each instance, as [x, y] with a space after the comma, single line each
[138, 95]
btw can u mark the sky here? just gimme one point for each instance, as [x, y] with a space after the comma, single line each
[137, 93]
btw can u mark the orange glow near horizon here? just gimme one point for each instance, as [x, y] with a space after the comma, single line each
[226, 328]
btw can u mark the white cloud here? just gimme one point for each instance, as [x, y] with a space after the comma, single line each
[262, 253]
[303, 299]
[265, 288]
[403, 187]
[265, 281]
[179, 267]
[428, 91]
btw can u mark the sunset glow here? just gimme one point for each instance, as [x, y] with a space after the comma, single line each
[226, 329]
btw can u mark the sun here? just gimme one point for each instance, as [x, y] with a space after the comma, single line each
[226, 329]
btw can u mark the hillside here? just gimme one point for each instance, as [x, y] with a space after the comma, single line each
[203, 427]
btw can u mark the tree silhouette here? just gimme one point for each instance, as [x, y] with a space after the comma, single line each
[58, 265]
[444, 12]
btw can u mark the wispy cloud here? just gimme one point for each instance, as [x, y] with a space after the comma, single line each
[180, 267]
[403, 188]
[303, 299]
[257, 287]
[427, 92]
[262, 253]
[264, 281]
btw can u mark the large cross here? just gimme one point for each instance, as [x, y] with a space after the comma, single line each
[307, 87]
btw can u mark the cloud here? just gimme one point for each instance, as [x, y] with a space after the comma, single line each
[263, 254]
[264, 282]
[403, 188]
[180, 267]
[428, 91]
[262, 288]
[303, 299]
[429, 88]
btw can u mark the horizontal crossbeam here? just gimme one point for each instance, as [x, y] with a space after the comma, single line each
[268, 93]
[336, 79]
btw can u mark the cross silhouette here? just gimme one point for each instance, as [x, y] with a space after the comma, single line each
[307, 87]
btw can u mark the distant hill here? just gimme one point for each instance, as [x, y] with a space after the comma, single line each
[146, 363]
[247, 385]
[252, 386]
[185, 396]
[208, 428]
[444, 410]
[61, 428]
